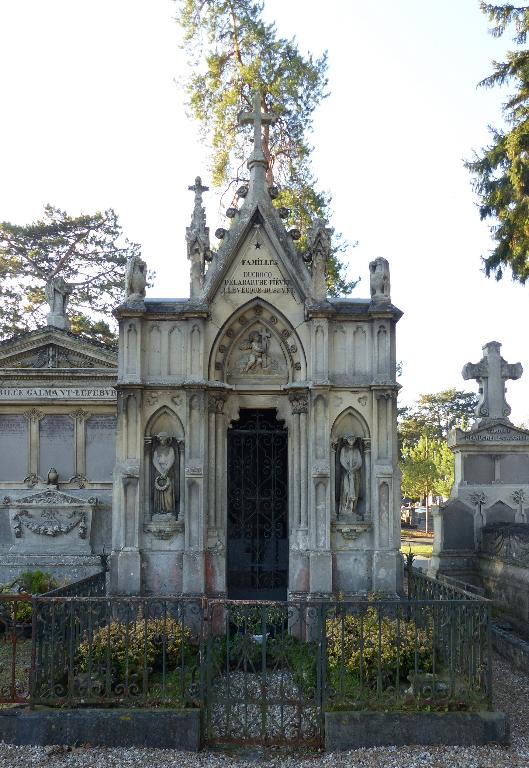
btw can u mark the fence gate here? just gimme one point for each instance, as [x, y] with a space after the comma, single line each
[263, 685]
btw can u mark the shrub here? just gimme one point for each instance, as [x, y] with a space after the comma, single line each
[371, 644]
[135, 645]
[36, 582]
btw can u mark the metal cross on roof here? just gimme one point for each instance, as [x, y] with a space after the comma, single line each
[257, 118]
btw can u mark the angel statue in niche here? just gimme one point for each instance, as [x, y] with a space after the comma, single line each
[163, 460]
[348, 475]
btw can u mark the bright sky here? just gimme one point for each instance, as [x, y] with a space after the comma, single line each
[93, 118]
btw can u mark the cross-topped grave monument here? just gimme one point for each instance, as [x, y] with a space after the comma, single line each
[491, 373]
[491, 470]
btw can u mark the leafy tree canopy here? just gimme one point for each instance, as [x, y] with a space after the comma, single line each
[427, 468]
[233, 52]
[87, 251]
[501, 170]
[435, 415]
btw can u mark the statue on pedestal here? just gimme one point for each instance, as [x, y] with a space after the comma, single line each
[379, 280]
[348, 475]
[135, 279]
[57, 292]
[163, 460]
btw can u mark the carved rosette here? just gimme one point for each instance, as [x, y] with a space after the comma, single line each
[478, 498]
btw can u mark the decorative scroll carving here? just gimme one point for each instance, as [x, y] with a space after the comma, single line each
[79, 480]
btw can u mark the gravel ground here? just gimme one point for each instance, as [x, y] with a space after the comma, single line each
[511, 696]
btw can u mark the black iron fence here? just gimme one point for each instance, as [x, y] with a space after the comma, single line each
[15, 647]
[260, 671]
[423, 587]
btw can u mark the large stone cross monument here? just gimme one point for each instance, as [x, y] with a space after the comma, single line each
[257, 446]
[491, 373]
[491, 483]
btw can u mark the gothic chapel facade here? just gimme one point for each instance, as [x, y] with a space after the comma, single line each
[256, 434]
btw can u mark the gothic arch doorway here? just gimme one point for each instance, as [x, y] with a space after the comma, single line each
[257, 496]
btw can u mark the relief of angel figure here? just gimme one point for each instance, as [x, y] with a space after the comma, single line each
[257, 344]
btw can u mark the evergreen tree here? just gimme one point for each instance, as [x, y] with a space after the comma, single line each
[232, 53]
[501, 170]
[427, 469]
[436, 414]
[86, 251]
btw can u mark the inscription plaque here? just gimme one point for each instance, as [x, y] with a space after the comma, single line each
[100, 447]
[13, 448]
[56, 446]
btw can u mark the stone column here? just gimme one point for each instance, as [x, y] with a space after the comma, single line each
[298, 470]
[193, 576]
[126, 557]
[367, 466]
[80, 416]
[216, 546]
[33, 416]
[385, 496]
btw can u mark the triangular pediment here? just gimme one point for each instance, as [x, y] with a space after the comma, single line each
[51, 348]
[258, 259]
[49, 497]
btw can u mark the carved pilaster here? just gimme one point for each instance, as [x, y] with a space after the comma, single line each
[80, 416]
[33, 415]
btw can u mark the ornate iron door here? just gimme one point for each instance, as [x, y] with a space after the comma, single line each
[257, 507]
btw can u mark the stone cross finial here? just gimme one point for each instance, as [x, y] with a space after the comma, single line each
[257, 119]
[197, 238]
[491, 373]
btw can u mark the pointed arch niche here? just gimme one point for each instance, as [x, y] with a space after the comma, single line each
[257, 345]
[164, 420]
[351, 422]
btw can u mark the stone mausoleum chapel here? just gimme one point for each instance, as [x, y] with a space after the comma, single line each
[256, 445]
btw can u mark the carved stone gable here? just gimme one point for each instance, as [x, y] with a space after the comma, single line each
[54, 349]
